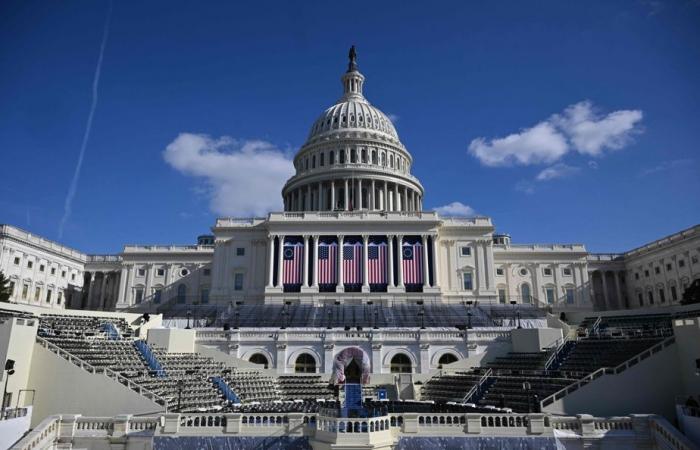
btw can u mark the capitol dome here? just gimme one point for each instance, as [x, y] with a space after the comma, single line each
[353, 159]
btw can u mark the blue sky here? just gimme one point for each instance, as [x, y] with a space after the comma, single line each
[563, 121]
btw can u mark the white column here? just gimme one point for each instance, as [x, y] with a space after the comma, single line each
[399, 240]
[397, 203]
[436, 257]
[315, 260]
[405, 199]
[385, 200]
[121, 299]
[320, 196]
[341, 285]
[605, 290]
[305, 271]
[618, 289]
[280, 261]
[426, 273]
[373, 198]
[358, 194]
[333, 205]
[365, 263]
[585, 285]
[271, 261]
[347, 197]
[390, 263]
[480, 268]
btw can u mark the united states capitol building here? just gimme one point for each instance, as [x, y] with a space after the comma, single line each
[352, 319]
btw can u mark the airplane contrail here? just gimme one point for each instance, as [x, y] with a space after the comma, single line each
[68, 206]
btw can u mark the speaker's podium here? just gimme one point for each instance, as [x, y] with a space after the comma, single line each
[351, 401]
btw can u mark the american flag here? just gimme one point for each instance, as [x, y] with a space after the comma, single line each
[352, 263]
[293, 256]
[376, 264]
[412, 263]
[327, 263]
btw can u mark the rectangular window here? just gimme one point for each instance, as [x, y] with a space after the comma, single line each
[25, 291]
[550, 295]
[468, 285]
[662, 295]
[502, 296]
[72, 277]
[37, 294]
[17, 259]
[238, 282]
[41, 267]
[547, 271]
[141, 272]
[674, 293]
[48, 295]
[53, 271]
[12, 288]
[160, 272]
[669, 267]
[681, 263]
[567, 271]
[657, 270]
[138, 296]
[646, 273]
[240, 251]
[59, 298]
[206, 272]
[499, 271]
[30, 264]
[651, 297]
[636, 275]
[641, 299]
[63, 274]
[205, 296]
[570, 296]
[466, 251]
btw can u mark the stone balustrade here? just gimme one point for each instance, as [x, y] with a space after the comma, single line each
[368, 431]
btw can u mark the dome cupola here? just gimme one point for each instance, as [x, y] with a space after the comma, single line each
[353, 158]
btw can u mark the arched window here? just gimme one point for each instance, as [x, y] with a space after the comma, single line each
[342, 157]
[374, 157]
[331, 158]
[447, 358]
[525, 293]
[313, 162]
[259, 358]
[391, 161]
[181, 293]
[305, 363]
[353, 156]
[401, 363]
[363, 155]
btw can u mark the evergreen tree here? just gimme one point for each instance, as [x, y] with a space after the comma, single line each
[5, 290]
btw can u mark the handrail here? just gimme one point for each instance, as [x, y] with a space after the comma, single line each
[606, 370]
[661, 429]
[109, 373]
[477, 386]
[553, 356]
[596, 324]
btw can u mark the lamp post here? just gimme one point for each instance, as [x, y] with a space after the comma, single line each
[189, 314]
[10, 369]
[469, 320]
[180, 387]
[370, 303]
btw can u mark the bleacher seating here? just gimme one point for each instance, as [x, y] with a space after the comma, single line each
[592, 353]
[450, 387]
[305, 387]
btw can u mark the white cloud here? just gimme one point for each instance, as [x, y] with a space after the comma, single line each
[456, 209]
[525, 187]
[559, 170]
[244, 177]
[591, 134]
[539, 144]
[666, 165]
[578, 128]
[393, 117]
[593, 165]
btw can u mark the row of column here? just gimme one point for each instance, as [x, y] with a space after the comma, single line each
[607, 298]
[352, 194]
[365, 261]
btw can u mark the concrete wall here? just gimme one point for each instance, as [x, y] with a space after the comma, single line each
[649, 387]
[534, 339]
[64, 388]
[12, 430]
[17, 338]
[687, 332]
[173, 340]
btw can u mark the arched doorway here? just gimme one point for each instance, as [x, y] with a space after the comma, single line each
[447, 358]
[259, 358]
[353, 372]
[305, 363]
[400, 363]
[525, 293]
